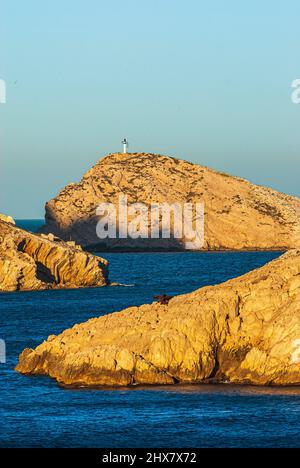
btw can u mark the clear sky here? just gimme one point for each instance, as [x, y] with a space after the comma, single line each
[209, 82]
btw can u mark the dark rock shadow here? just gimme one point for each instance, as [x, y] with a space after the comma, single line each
[44, 274]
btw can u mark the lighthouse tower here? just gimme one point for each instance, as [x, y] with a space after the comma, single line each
[125, 145]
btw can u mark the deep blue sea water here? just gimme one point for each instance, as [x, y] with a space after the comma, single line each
[36, 412]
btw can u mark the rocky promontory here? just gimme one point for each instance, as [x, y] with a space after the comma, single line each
[245, 331]
[32, 262]
[238, 214]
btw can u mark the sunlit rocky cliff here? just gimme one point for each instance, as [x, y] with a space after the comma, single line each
[238, 214]
[246, 331]
[31, 262]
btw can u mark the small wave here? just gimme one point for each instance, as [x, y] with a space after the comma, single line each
[123, 285]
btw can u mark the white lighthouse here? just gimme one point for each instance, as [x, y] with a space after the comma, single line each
[125, 145]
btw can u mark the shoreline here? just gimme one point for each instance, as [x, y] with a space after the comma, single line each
[101, 251]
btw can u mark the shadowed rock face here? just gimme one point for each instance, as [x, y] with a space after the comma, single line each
[238, 215]
[29, 262]
[242, 331]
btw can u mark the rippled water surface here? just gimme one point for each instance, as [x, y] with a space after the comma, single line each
[37, 412]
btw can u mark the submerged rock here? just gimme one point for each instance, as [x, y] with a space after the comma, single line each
[238, 214]
[246, 330]
[29, 261]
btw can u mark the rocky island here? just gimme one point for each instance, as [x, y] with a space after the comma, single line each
[33, 262]
[244, 331]
[238, 214]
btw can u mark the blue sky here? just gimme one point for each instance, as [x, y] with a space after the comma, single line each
[209, 82]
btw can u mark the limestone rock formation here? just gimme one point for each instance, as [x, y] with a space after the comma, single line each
[238, 214]
[18, 271]
[7, 219]
[29, 262]
[246, 330]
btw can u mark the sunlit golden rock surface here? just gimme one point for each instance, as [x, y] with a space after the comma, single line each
[246, 330]
[7, 219]
[238, 214]
[29, 261]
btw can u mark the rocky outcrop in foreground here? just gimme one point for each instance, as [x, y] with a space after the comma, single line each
[31, 262]
[238, 214]
[246, 330]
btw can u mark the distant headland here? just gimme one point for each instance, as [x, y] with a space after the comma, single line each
[238, 215]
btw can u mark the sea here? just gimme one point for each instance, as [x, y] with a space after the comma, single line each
[36, 412]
